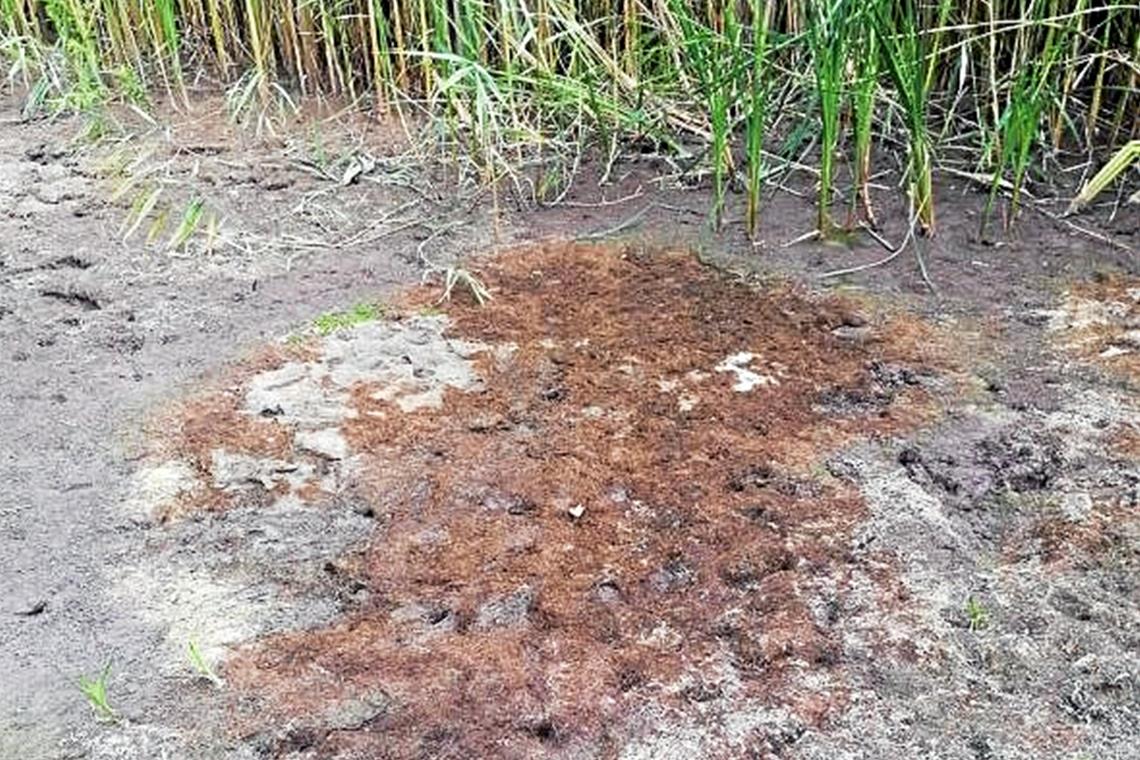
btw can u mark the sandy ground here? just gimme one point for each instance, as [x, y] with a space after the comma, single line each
[178, 469]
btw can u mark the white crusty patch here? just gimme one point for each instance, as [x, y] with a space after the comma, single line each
[746, 378]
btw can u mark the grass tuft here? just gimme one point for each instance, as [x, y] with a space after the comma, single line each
[94, 689]
[454, 277]
[976, 614]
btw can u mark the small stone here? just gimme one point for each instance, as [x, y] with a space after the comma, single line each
[673, 575]
[1131, 339]
[607, 592]
[577, 511]
[511, 503]
[484, 423]
[662, 636]
[326, 442]
[1038, 317]
[354, 714]
[1076, 507]
[430, 537]
[512, 609]
[413, 612]
[1087, 664]
[851, 334]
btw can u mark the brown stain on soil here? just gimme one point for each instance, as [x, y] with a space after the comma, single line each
[608, 524]
[1126, 442]
[1113, 340]
[212, 419]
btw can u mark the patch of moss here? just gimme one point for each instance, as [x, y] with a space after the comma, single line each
[339, 320]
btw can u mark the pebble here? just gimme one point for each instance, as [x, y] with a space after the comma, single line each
[325, 442]
[508, 610]
[1076, 507]
[1130, 339]
[853, 334]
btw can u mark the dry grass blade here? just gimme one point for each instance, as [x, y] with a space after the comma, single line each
[1108, 174]
[459, 277]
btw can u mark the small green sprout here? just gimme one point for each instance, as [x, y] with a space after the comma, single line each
[95, 690]
[977, 614]
[191, 218]
[201, 666]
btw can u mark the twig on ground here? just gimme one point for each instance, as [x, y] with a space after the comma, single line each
[893, 254]
[603, 202]
[812, 235]
[632, 221]
[1097, 236]
[430, 267]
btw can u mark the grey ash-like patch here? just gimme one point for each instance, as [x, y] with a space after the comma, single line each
[995, 648]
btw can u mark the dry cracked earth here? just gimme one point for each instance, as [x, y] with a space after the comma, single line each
[641, 504]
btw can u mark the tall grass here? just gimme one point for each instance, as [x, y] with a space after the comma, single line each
[509, 80]
[910, 53]
[866, 53]
[1018, 129]
[757, 105]
[829, 34]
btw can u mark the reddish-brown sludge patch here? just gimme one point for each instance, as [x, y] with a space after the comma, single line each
[1126, 442]
[213, 420]
[609, 524]
[1064, 542]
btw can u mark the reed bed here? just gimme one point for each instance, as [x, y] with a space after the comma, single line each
[998, 88]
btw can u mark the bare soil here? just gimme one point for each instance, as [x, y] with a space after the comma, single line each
[670, 495]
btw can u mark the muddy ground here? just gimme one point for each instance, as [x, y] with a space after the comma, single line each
[670, 495]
